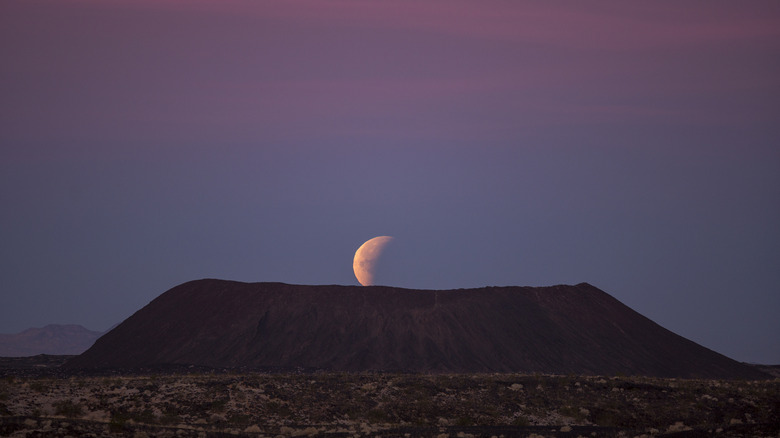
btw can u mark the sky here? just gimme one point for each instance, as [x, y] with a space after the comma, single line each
[634, 146]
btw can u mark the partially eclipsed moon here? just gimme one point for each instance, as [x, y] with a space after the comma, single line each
[366, 258]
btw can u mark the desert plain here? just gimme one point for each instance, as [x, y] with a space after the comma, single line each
[43, 400]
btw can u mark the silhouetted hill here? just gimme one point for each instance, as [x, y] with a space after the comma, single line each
[52, 339]
[560, 329]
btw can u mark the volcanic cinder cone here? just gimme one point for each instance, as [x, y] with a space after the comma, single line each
[560, 329]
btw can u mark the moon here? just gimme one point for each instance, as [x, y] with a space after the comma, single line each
[366, 258]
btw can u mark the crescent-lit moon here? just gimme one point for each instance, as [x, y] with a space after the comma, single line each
[366, 257]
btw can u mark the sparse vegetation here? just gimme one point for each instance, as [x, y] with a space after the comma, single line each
[367, 404]
[38, 386]
[68, 408]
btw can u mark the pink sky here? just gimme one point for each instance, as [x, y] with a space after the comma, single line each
[234, 64]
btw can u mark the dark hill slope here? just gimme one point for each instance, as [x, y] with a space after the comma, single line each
[560, 329]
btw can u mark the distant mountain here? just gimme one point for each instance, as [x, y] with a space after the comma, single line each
[560, 329]
[52, 339]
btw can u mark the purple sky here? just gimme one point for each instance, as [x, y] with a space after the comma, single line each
[631, 145]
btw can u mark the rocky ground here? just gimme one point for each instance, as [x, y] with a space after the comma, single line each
[378, 404]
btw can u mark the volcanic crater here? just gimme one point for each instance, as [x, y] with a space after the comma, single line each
[562, 329]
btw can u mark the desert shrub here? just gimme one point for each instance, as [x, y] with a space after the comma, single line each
[605, 417]
[169, 417]
[276, 408]
[68, 409]
[152, 386]
[239, 396]
[218, 405]
[239, 419]
[417, 386]
[521, 421]
[572, 412]
[489, 411]
[376, 416]
[145, 416]
[459, 382]
[253, 429]
[118, 421]
[39, 386]
[424, 411]
[464, 421]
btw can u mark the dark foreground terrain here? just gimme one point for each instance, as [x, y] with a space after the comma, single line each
[45, 403]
